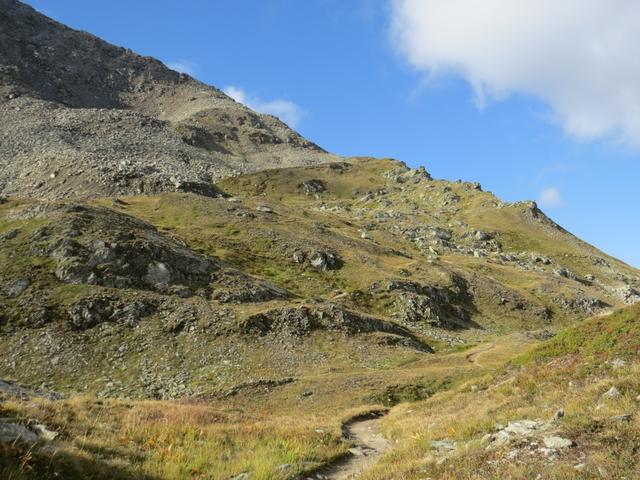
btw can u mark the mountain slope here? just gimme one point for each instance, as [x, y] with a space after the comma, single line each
[84, 118]
[181, 294]
[192, 290]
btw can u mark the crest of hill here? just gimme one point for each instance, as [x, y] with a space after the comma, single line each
[82, 117]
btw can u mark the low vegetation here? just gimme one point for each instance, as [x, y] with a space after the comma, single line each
[120, 439]
[583, 386]
[274, 434]
[292, 309]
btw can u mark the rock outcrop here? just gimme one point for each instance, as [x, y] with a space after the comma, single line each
[99, 246]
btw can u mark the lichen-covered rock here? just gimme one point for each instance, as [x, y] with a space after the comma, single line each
[25, 392]
[237, 287]
[305, 319]
[12, 433]
[581, 303]
[317, 257]
[91, 311]
[613, 394]
[117, 250]
[45, 433]
[9, 235]
[419, 308]
[16, 287]
[627, 294]
[565, 273]
[324, 260]
[313, 187]
[434, 305]
[555, 441]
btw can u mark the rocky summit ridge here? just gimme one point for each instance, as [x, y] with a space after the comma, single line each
[84, 118]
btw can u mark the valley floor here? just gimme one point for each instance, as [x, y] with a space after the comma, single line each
[281, 433]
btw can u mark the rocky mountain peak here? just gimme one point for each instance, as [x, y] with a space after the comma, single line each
[84, 118]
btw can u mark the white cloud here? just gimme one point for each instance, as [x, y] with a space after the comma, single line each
[183, 66]
[578, 56]
[285, 110]
[550, 198]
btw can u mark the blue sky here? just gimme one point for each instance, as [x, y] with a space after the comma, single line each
[357, 89]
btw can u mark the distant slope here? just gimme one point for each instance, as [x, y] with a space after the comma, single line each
[81, 117]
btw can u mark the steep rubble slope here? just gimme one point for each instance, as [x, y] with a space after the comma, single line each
[81, 117]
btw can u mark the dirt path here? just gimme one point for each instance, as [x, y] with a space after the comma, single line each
[474, 357]
[500, 350]
[369, 443]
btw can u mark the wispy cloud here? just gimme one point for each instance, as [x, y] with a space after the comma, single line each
[550, 198]
[286, 110]
[184, 66]
[578, 56]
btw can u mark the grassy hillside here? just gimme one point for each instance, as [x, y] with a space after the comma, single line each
[200, 337]
[582, 385]
[185, 295]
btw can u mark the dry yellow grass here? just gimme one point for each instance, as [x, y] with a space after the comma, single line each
[117, 439]
[274, 436]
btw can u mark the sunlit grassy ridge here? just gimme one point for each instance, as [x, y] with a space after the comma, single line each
[570, 372]
[595, 339]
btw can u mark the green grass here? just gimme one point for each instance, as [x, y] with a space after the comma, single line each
[606, 336]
